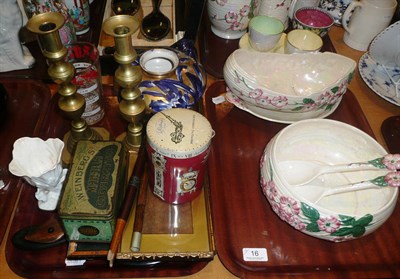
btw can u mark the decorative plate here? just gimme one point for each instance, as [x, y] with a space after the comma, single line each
[230, 97]
[380, 79]
[385, 48]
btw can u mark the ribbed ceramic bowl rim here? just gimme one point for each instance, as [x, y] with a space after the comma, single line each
[232, 66]
[318, 9]
[282, 185]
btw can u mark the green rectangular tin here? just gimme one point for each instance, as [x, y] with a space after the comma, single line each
[93, 191]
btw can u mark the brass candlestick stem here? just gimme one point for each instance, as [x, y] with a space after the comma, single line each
[72, 105]
[132, 106]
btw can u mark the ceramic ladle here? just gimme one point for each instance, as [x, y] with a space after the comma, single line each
[155, 26]
[315, 193]
[303, 172]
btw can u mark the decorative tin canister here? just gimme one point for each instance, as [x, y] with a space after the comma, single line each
[93, 191]
[178, 144]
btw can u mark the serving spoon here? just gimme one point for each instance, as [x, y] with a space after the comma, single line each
[392, 179]
[155, 26]
[302, 172]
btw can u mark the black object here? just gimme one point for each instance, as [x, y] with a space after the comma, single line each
[155, 26]
[19, 240]
[125, 7]
[391, 133]
[3, 104]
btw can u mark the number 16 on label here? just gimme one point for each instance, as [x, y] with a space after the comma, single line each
[255, 254]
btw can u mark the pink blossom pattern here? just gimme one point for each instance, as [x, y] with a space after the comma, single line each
[231, 17]
[393, 179]
[255, 93]
[307, 219]
[244, 11]
[221, 2]
[324, 101]
[236, 19]
[279, 101]
[392, 161]
[297, 223]
[329, 224]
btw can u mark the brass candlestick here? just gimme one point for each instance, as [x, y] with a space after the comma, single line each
[127, 76]
[72, 104]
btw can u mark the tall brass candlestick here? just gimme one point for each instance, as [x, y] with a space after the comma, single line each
[132, 106]
[72, 104]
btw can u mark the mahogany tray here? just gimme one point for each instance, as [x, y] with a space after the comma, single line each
[50, 262]
[26, 107]
[243, 218]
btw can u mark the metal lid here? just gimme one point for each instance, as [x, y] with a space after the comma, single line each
[179, 133]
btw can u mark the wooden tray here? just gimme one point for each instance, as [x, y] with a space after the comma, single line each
[243, 218]
[51, 262]
[27, 104]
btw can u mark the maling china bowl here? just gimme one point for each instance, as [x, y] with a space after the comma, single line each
[288, 88]
[339, 217]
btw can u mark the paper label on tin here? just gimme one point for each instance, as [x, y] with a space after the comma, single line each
[187, 182]
[159, 162]
[255, 254]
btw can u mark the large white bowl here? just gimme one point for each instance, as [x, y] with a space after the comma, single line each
[288, 88]
[338, 217]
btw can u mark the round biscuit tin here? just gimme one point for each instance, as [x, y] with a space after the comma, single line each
[178, 145]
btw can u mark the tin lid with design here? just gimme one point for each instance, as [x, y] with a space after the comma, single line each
[179, 133]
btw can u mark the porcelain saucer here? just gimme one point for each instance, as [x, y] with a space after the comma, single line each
[385, 48]
[279, 48]
[380, 79]
[242, 105]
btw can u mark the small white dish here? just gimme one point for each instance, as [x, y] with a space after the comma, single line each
[159, 61]
[378, 79]
[279, 48]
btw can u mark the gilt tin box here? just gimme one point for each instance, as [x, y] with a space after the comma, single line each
[93, 191]
[178, 145]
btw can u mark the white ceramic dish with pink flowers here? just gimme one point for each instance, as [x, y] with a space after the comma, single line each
[338, 217]
[288, 88]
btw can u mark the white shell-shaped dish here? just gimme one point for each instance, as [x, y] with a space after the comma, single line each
[288, 88]
[385, 48]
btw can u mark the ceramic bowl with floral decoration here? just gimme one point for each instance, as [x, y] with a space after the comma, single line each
[171, 78]
[287, 87]
[314, 19]
[339, 217]
[230, 18]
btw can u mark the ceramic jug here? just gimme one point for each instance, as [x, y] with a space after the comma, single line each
[230, 18]
[365, 19]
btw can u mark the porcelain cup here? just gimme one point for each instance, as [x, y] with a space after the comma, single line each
[265, 32]
[302, 41]
[365, 19]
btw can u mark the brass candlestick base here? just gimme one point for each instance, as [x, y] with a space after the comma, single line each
[72, 105]
[128, 77]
